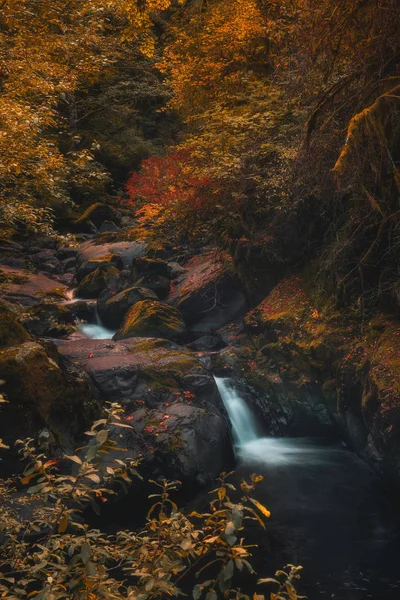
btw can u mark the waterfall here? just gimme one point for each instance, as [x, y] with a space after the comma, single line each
[252, 447]
[244, 426]
[96, 330]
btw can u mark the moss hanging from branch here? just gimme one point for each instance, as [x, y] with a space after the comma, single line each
[373, 139]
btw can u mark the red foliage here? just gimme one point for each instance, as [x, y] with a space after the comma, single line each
[167, 181]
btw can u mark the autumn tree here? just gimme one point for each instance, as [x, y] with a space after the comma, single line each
[51, 54]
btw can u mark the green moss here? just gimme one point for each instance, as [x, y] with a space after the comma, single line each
[11, 332]
[150, 318]
[99, 279]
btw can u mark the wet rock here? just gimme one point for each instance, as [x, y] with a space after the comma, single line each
[112, 309]
[28, 288]
[108, 226]
[148, 368]
[207, 342]
[49, 319]
[150, 318]
[87, 267]
[46, 389]
[170, 400]
[175, 270]
[149, 266]
[68, 265]
[105, 276]
[64, 252]
[208, 294]
[127, 250]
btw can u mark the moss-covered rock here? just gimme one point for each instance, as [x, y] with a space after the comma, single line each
[95, 215]
[105, 276]
[150, 318]
[113, 311]
[27, 289]
[90, 265]
[149, 266]
[47, 390]
[11, 331]
[49, 319]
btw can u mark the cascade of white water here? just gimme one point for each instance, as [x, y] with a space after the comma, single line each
[254, 448]
[96, 331]
[244, 426]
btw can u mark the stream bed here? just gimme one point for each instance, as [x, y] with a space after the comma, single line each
[329, 511]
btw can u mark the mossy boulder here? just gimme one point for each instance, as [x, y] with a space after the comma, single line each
[47, 389]
[95, 215]
[11, 331]
[49, 319]
[113, 311]
[149, 266]
[27, 289]
[150, 318]
[105, 276]
[90, 265]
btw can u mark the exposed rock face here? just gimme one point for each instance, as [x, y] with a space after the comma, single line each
[28, 288]
[321, 367]
[112, 312]
[49, 390]
[169, 398]
[127, 250]
[105, 276]
[150, 318]
[208, 294]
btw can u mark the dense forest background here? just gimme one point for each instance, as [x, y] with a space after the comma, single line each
[268, 127]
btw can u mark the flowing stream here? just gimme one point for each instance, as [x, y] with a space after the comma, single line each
[329, 510]
[96, 331]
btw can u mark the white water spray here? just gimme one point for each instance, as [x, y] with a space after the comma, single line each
[253, 448]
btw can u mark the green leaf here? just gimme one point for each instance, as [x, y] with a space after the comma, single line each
[85, 553]
[102, 436]
[197, 591]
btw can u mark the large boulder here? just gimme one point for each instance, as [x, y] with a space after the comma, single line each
[150, 318]
[208, 294]
[152, 273]
[94, 217]
[45, 389]
[27, 289]
[112, 310]
[179, 428]
[96, 249]
[142, 368]
[105, 276]
[87, 267]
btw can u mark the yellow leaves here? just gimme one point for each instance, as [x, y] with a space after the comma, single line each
[63, 524]
[260, 507]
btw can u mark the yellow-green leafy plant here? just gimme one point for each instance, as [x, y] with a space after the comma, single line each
[48, 552]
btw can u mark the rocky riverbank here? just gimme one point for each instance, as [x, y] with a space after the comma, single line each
[179, 316]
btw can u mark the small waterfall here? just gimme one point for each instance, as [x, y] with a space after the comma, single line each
[244, 426]
[96, 331]
[252, 447]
